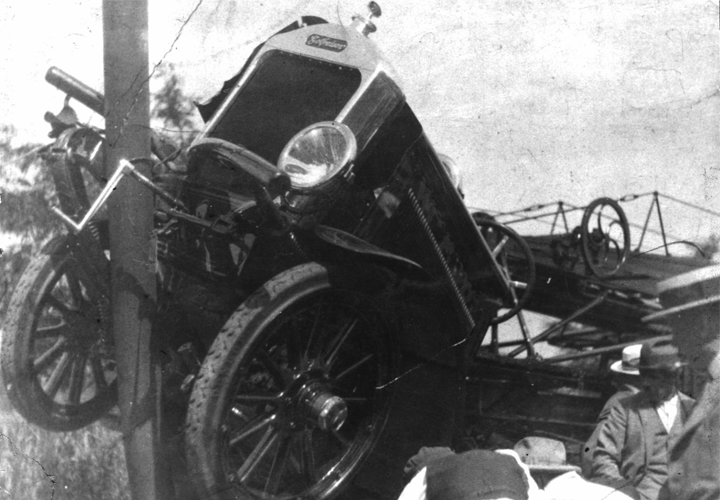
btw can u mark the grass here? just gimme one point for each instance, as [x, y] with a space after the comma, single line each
[35, 464]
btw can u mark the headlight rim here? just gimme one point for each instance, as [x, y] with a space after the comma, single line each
[347, 159]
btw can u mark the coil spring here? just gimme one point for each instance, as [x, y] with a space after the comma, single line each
[103, 302]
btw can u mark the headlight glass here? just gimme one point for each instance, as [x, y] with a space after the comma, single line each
[317, 153]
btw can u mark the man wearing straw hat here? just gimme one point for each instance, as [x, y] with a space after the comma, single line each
[692, 308]
[626, 378]
[634, 442]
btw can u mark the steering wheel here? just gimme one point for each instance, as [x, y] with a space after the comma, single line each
[605, 237]
[515, 261]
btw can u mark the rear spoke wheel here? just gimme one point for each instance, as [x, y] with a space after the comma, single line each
[57, 352]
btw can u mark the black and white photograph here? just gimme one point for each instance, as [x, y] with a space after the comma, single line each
[350, 250]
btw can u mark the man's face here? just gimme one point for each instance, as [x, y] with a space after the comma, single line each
[659, 384]
[619, 380]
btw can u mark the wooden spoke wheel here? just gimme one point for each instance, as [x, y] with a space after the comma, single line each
[290, 399]
[57, 355]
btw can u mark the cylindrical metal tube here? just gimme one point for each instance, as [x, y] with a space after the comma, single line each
[76, 89]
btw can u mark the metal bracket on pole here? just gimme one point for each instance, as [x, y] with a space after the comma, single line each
[125, 168]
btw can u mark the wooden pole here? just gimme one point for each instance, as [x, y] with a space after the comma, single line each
[127, 103]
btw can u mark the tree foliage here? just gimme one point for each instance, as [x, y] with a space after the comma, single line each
[25, 219]
[172, 111]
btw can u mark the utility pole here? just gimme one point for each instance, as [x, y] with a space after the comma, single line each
[127, 104]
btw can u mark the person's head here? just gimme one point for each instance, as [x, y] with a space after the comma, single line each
[625, 370]
[472, 475]
[659, 367]
[422, 458]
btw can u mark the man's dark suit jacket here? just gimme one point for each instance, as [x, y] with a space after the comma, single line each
[590, 445]
[624, 442]
[694, 467]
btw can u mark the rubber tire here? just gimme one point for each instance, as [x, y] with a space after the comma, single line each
[23, 387]
[418, 410]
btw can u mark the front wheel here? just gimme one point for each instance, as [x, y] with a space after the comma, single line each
[57, 355]
[293, 394]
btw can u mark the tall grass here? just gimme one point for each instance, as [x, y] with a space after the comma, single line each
[35, 464]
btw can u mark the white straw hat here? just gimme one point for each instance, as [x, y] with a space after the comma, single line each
[629, 362]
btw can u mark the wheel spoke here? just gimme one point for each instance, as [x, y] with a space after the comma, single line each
[45, 332]
[599, 217]
[307, 456]
[505, 268]
[356, 400]
[266, 442]
[257, 398]
[73, 318]
[504, 272]
[60, 306]
[46, 358]
[354, 367]
[617, 250]
[294, 356]
[275, 370]
[75, 289]
[338, 342]
[500, 246]
[343, 440]
[272, 485]
[58, 375]
[313, 329]
[252, 427]
[77, 377]
[98, 374]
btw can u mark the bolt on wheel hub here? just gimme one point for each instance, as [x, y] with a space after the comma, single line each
[322, 407]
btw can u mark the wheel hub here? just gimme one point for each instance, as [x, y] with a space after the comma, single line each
[321, 406]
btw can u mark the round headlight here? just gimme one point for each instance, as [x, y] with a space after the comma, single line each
[317, 153]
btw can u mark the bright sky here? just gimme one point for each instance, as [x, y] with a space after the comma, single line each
[537, 101]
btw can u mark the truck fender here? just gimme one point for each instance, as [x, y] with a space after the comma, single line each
[358, 247]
